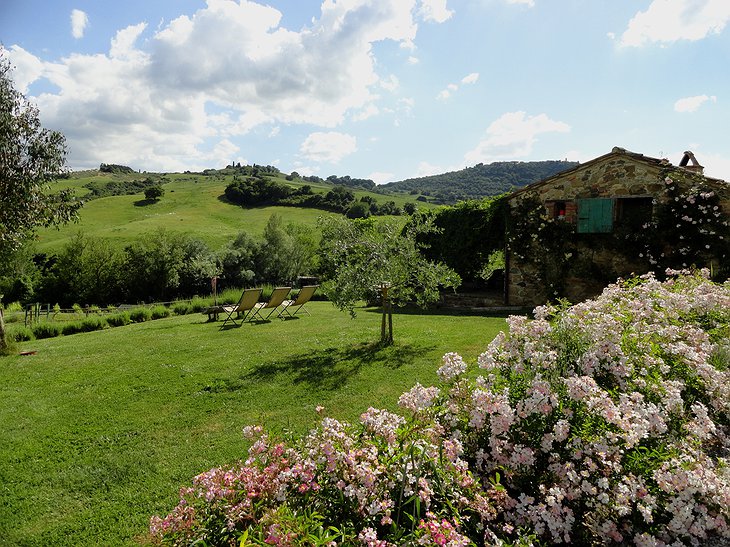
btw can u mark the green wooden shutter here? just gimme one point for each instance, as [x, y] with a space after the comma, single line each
[595, 215]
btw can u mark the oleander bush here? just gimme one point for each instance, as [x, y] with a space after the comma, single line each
[88, 324]
[182, 308]
[118, 319]
[140, 315]
[47, 330]
[159, 312]
[606, 422]
[199, 304]
[20, 333]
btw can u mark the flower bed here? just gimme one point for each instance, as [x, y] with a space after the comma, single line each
[604, 422]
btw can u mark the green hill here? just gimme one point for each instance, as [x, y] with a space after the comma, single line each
[480, 181]
[194, 203]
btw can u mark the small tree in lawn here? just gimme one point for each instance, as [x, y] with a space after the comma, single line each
[31, 157]
[379, 262]
[153, 193]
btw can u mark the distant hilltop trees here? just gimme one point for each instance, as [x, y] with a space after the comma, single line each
[480, 181]
[114, 168]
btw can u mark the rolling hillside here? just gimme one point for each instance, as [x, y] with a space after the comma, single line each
[192, 203]
[480, 181]
[195, 203]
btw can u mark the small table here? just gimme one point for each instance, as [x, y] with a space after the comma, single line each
[213, 312]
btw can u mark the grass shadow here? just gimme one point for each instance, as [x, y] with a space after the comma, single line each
[452, 312]
[331, 368]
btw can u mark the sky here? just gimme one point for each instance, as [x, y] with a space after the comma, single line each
[377, 89]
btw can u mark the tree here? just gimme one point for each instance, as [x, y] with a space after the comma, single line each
[379, 261]
[31, 157]
[153, 193]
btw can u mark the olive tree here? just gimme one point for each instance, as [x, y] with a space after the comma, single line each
[31, 157]
[379, 261]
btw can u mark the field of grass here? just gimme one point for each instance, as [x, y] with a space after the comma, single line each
[101, 429]
[191, 204]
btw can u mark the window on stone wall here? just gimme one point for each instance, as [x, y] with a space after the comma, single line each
[595, 215]
[559, 208]
[632, 213]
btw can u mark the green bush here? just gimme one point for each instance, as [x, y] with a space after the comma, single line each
[20, 333]
[9, 348]
[140, 315]
[198, 304]
[118, 319]
[71, 328]
[13, 312]
[182, 308]
[160, 312]
[47, 330]
[89, 324]
[93, 323]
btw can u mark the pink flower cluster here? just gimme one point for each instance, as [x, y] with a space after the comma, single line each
[607, 422]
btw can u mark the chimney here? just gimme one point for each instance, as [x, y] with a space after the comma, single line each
[695, 166]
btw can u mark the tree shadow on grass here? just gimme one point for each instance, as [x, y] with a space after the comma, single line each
[326, 369]
[145, 202]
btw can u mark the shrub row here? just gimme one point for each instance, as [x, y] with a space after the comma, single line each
[51, 329]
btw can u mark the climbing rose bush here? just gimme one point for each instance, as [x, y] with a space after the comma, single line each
[604, 422]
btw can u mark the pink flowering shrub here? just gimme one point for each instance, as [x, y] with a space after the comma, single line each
[604, 422]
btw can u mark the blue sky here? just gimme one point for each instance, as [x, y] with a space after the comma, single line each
[380, 89]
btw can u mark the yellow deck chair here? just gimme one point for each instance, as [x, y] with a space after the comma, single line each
[277, 297]
[245, 306]
[304, 296]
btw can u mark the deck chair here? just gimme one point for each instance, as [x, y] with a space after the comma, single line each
[277, 297]
[302, 298]
[245, 306]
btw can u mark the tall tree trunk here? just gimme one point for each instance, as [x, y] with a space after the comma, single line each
[386, 337]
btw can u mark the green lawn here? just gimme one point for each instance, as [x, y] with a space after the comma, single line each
[99, 430]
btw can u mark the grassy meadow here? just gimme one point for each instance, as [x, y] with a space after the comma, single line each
[101, 429]
[192, 204]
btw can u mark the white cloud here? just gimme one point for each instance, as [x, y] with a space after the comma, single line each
[381, 178]
[512, 136]
[413, 60]
[667, 21]
[368, 112]
[391, 83]
[435, 10]
[528, 3]
[79, 20]
[28, 67]
[164, 103]
[329, 147]
[691, 104]
[470, 78]
[453, 88]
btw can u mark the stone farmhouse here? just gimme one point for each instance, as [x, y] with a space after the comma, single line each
[620, 214]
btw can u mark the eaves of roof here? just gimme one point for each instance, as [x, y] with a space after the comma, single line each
[616, 152]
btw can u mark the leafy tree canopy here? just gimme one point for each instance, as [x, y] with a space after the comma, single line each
[481, 180]
[31, 157]
[379, 261]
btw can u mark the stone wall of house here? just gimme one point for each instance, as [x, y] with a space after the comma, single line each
[622, 176]
[524, 287]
